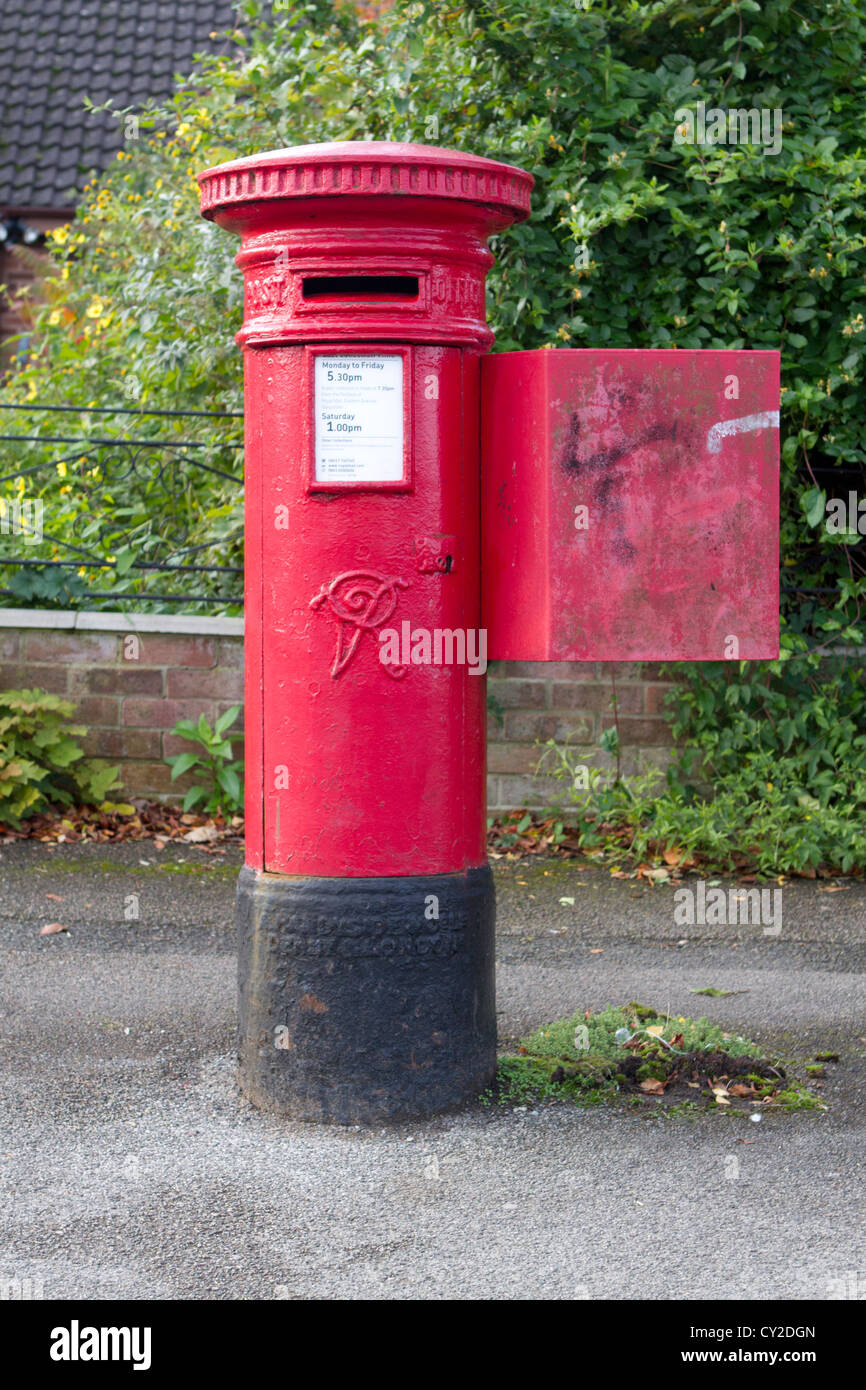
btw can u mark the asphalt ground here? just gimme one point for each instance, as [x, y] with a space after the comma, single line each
[131, 1167]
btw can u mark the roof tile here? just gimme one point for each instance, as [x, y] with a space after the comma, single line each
[51, 58]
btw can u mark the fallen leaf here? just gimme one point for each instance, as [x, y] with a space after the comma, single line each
[567, 902]
[52, 929]
[695, 1085]
[56, 896]
[740, 1089]
[201, 833]
[656, 1030]
[596, 950]
[652, 875]
[652, 1086]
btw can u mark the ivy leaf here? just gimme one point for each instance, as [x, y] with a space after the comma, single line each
[814, 504]
[124, 560]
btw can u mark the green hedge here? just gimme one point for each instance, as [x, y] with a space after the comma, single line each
[636, 239]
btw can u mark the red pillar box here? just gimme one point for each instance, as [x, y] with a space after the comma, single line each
[366, 903]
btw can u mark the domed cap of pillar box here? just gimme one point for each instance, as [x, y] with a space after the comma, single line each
[368, 169]
[365, 239]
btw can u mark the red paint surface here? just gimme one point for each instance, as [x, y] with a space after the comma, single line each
[385, 769]
[682, 546]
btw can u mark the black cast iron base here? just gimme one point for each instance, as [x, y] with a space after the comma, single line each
[365, 999]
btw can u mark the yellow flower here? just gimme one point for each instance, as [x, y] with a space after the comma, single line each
[54, 317]
[61, 470]
[95, 307]
[59, 235]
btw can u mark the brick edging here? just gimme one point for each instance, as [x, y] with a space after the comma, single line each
[108, 621]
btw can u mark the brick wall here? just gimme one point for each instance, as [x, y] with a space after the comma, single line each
[130, 689]
[130, 693]
[532, 701]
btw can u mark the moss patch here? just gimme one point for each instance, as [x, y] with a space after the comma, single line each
[649, 1058]
[115, 866]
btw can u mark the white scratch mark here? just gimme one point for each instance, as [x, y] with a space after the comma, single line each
[764, 420]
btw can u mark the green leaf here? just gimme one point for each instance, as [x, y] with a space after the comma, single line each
[203, 730]
[814, 504]
[226, 720]
[230, 783]
[185, 728]
[181, 763]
